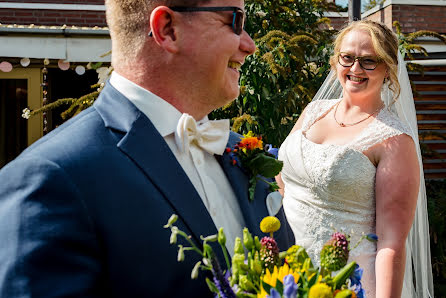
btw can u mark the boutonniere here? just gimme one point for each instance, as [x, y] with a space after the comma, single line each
[258, 160]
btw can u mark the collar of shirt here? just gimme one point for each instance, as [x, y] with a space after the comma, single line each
[162, 114]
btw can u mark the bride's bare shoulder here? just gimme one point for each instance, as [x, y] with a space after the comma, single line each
[312, 110]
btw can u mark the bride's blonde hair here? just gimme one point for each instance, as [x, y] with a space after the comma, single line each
[385, 44]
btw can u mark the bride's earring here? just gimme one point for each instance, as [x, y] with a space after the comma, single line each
[386, 78]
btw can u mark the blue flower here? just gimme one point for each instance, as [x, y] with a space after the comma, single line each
[290, 287]
[273, 294]
[271, 150]
[372, 237]
[355, 282]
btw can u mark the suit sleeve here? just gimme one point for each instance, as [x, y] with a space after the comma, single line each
[48, 246]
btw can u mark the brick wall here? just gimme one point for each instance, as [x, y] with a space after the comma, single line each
[384, 16]
[413, 17]
[94, 2]
[53, 17]
[338, 22]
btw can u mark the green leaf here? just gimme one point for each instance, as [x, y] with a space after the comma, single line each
[313, 280]
[266, 287]
[273, 186]
[265, 165]
[279, 287]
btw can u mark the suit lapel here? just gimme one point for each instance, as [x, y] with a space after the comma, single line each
[146, 147]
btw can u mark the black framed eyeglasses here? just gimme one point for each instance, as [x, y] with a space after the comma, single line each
[238, 14]
[366, 62]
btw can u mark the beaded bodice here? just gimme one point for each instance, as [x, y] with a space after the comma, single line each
[332, 187]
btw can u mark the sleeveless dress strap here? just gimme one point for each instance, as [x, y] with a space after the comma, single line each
[385, 126]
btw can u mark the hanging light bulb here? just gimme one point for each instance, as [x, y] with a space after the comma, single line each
[80, 70]
[63, 65]
[25, 62]
[5, 66]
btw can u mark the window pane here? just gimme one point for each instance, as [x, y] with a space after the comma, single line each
[13, 128]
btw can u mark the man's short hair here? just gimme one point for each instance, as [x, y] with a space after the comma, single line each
[128, 22]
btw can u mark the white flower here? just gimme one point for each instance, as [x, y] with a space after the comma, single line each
[26, 113]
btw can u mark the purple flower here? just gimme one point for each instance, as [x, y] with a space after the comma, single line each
[290, 287]
[355, 282]
[221, 281]
[273, 294]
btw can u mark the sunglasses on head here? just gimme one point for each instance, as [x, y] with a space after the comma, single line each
[238, 15]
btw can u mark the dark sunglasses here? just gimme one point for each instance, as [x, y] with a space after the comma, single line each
[238, 15]
[366, 62]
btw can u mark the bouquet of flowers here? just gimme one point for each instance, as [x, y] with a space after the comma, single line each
[258, 269]
[257, 160]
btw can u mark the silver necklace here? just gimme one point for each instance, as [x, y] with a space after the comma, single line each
[342, 124]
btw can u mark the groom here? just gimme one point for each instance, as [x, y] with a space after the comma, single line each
[82, 210]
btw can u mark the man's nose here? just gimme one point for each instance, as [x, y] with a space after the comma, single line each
[247, 45]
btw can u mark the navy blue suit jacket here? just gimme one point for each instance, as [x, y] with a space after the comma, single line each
[82, 210]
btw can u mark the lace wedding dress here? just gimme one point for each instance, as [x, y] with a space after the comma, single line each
[331, 187]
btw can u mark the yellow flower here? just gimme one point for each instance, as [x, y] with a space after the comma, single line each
[272, 278]
[250, 134]
[320, 291]
[270, 224]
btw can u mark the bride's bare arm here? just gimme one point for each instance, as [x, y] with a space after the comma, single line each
[397, 185]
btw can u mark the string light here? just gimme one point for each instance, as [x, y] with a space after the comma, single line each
[45, 94]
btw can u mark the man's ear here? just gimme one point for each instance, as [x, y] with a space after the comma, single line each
[162, 24]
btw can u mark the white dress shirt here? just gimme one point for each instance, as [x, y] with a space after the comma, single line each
[202, 169]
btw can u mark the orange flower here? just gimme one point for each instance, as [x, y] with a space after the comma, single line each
[251, 143]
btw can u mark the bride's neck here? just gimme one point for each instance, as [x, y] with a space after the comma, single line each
[361, 104]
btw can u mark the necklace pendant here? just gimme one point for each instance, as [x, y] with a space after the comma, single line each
[342, 124]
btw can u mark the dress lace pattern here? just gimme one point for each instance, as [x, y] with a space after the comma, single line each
[330, 187]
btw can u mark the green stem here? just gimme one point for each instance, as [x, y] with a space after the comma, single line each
[325, 271]
[225, 254]
[194, 247]
[359, 241]
[272, 185]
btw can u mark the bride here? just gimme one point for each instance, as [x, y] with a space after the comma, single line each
[353, 163]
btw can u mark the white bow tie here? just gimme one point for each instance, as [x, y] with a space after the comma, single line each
[211, 136]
